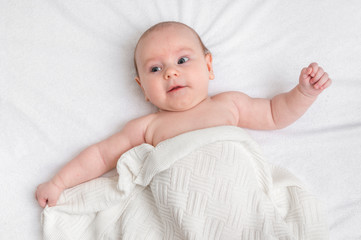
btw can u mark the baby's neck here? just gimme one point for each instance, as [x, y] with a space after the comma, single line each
[202, 102]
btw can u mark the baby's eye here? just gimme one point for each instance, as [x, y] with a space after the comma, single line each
[183, 60]
[155, 69]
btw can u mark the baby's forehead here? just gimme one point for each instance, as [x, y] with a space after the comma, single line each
[169, 28]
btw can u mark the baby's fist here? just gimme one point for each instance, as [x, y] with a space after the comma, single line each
[48, 194]
[313, 80]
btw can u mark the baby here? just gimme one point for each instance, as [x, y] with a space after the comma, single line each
[173, 69]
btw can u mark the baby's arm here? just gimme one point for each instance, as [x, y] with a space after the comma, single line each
[288, 107]
[285, 108]
[92, 162]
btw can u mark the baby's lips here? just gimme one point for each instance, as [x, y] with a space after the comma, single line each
[174, 87]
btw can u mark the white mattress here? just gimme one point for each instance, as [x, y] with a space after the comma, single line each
[67, 81]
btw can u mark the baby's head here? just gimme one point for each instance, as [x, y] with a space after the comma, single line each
[161, 25]
[173, 66]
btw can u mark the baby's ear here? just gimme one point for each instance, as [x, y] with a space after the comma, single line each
[209, 65]
[137, 79]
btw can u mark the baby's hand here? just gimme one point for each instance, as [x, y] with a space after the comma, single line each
[48, 193]
[313, 80]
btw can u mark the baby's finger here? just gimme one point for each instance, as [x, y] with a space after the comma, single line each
[42, 202]
[305, 72]
[314, 67]
[317, 76]
[52, 202]
[327, 84]
[322, 81]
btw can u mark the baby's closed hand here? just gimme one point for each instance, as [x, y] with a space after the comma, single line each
[48, 193]
[313, 80]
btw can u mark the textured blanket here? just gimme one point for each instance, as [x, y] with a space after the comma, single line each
[206, 184]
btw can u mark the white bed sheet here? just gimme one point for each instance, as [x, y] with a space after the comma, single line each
[66, 81]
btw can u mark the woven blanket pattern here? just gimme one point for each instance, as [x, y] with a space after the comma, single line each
[206, 184]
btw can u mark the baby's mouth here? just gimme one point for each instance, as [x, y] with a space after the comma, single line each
[175, 88]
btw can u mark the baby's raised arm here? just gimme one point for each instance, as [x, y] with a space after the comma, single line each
[93, 162]
[285, 108]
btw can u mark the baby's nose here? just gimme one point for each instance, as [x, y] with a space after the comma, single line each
[171, 72]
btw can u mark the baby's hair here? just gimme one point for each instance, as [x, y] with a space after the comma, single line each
[160, 26]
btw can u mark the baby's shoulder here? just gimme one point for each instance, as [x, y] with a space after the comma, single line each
[141, 122]
[230, 97]
[136, 129]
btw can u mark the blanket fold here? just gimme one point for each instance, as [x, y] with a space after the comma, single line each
[206, 184]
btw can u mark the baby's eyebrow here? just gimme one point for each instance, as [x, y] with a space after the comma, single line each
[148, 60]
[186, 49]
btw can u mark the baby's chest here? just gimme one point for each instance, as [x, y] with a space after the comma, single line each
[171, 125]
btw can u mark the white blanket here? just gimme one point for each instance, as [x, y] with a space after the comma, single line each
[206, 184]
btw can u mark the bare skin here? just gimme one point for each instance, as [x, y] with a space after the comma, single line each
[174, 73]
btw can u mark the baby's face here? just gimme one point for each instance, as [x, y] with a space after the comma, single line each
[173, 70]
